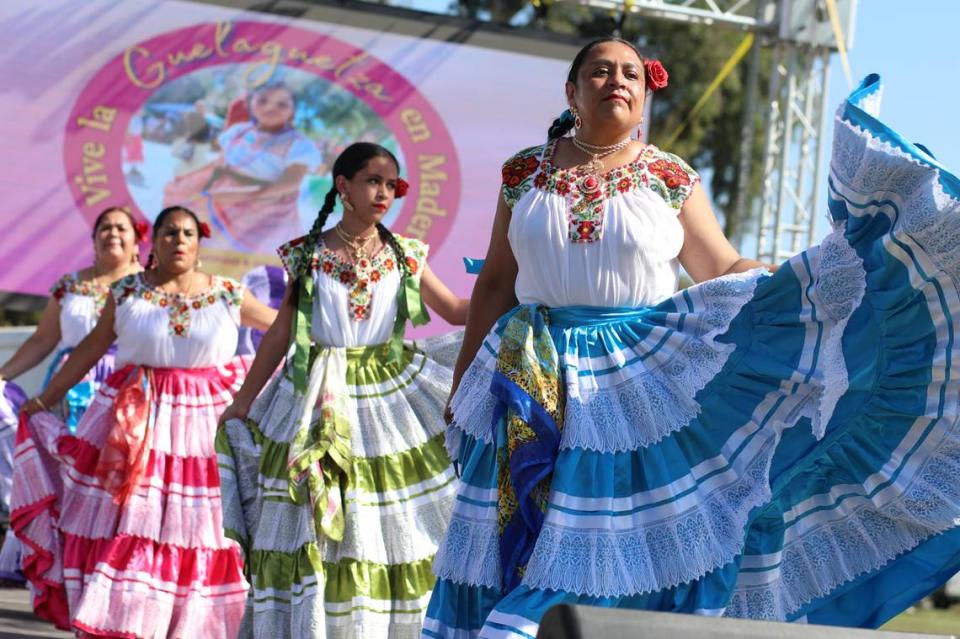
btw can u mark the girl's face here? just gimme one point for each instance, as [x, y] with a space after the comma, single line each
[272, 109]
[115, 237]
[610, 87]
[371, 191]
[177, 243]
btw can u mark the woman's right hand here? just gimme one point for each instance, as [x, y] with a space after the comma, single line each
[237, 410]
[33, 406]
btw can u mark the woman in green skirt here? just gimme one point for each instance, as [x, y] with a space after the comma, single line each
[336, 482]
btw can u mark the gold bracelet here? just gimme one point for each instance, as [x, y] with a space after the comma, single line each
[40, 403]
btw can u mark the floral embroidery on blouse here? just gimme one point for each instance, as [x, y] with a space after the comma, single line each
[70, 284]
[179, 307]
[516, 173]
[361, 278]
[663, 173]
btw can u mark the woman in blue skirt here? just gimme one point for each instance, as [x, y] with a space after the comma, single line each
[767, 445]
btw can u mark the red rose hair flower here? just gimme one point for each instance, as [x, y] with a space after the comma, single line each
[205, 230]
[141, 229]
[656, 76]
[402, 187]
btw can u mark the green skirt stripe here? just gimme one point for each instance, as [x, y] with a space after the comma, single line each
[370, 474]
[276, 574]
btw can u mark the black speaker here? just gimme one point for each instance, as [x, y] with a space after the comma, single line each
[589, 622]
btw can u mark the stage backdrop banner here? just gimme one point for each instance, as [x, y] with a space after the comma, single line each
[239, 116]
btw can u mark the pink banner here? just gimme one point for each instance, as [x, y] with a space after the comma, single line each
[148, 104]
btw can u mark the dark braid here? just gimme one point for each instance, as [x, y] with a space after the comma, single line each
[313, 236]
[389, 238]
[562, 125]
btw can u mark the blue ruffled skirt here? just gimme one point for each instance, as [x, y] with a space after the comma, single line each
[777, 446]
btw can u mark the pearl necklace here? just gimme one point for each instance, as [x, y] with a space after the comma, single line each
[595, 165]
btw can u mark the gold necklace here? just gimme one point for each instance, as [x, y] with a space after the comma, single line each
[595, 165]
[355, 242]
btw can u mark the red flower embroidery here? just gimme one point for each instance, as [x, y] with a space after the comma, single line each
[563, 188]
[671, 173]
[585, 230]
[624, 185]
[197, 305]
[540, 181]
[375, 276]
[388, 264]
[178, 329]
[346, 277]
[162, 302]
[519, 169]
[327, 267]
[412, 265]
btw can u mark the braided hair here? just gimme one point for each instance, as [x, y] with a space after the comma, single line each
[562, 125]
[353, 159]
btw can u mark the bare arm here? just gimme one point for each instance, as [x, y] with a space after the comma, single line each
[272, 348]
[87, 353]
[441, 299]
[256, 314]
[493, 293]
[38, 345]
[706, 252]
[289, 182]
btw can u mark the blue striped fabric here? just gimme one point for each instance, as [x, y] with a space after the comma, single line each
[769, 446]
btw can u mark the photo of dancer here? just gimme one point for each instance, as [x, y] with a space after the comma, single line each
[249, 159]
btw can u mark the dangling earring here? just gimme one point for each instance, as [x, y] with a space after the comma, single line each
[577, 122]
[198, 265]
[346, 203]
[640, 128]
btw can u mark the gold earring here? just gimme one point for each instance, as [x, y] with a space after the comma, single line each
[198, 265]
[577, 122]
[345, 202]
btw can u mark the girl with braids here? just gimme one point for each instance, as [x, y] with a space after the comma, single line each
[779, 446]
[336, 482]
[121, 523]
[76, 302]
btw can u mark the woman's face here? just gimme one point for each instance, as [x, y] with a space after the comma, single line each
[272, 109]
[177, 243]
[610, 87]
[115, 237]
[371, 191]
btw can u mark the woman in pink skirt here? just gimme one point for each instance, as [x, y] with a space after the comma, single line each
[121, 523]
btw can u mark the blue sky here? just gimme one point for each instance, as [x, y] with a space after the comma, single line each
[915, 47]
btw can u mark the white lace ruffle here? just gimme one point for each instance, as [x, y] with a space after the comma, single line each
[654, 398]
[470, 553]
[660, 554]
[837, 552]
[839, 290]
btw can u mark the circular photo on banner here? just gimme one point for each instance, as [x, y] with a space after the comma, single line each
[241, 122]
[252, 162]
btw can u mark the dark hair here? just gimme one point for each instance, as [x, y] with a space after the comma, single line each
[562, 125]
[352, 160]
[269, 87]
[114, 209]
[167, 212]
